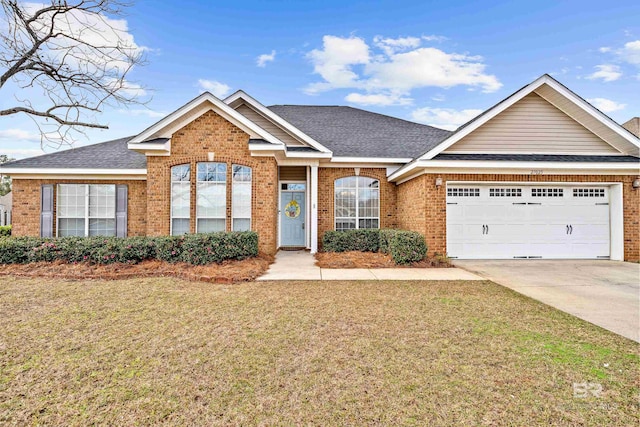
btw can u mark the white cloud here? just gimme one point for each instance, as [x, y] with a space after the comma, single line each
[220, 90]
[434, 38]
[606, 72]
[144, 112]
[261, 61]
[445, 118]
[19, 135]
[379, 99]
[606, 105]
[18, 153]
[631, 52]
[604, 49]
[395, 66]
[438, 98]
[391, 46]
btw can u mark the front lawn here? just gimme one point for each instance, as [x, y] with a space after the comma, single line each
[162, 350]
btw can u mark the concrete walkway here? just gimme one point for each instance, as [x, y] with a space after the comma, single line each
[606, 293]
[300, 265]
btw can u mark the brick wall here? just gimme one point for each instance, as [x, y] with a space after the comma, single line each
[210, 133]
[326, 179]
[435, 208]
[26, 205]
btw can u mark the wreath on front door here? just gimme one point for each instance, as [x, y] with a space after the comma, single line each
[292, 210]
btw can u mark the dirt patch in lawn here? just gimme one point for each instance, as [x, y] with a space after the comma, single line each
[226, 272]
[356, 259]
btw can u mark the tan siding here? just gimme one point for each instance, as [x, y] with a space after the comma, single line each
[267, 125]
[293, 173]
[532, 126]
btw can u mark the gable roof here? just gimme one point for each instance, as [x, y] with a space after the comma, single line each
[351, 132]
[240, 97]
[195, 108]
[112, 154]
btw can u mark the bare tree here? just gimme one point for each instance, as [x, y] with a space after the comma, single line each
[64, 61]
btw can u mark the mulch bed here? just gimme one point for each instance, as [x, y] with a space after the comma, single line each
[225, 272]
[355, 259]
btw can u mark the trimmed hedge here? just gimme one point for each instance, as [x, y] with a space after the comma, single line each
[5, 230]
[197, 249]
[363, 240]
[404, 246]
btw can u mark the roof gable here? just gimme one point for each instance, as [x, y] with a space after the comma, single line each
[532, 126]
[194, 109]
[564, 100]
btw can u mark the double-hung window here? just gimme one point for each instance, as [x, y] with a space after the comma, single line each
[357, 203]
[86, 210]
[211, 191]
[241, 198]
[180, 199]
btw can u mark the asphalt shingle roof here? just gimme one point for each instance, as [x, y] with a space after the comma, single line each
[106, 155]
[351, 132]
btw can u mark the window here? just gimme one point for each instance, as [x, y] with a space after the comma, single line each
[211, 192]
[588, 192]
[505, 192]
[241, 198]
[547, 192]
[463, 192]
[86, 210]
[357, 203]
[180, 199]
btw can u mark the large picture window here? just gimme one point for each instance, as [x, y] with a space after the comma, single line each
[211, 192]
[180, 199]
[241, 198]
[357, 203]
[86, 210]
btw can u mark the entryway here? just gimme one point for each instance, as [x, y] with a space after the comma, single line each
[293, 215]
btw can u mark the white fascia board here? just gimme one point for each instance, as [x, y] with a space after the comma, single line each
[240, 94]
[220, 107]
[386, 160]
[504, 167]
[151, 149]
[295, 155]
[266, 147]
[591, 110]
[17, 172]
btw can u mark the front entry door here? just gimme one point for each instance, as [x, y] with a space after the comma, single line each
[292, 215]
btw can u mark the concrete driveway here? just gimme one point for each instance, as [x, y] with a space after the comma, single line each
[606, 293]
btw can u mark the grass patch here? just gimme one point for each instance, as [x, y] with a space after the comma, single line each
[163, 350]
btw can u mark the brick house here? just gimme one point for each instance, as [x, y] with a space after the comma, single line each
[542, 174]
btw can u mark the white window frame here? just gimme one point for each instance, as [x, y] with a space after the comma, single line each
[185, 184]
[218, 183]
[87, 218]
[357, 207]
[233, 184]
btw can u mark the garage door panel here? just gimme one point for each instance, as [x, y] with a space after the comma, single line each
[550, 221]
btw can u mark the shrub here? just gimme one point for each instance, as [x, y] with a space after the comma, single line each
[195, 249]
[386, 235]
[5, 230]
[363, 240]
[407, 247]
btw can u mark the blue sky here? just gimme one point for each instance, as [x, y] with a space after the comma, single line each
[439, 63]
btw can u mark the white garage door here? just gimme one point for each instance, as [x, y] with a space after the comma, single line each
[521, 221]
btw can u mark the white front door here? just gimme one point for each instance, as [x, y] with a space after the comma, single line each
[527, 221]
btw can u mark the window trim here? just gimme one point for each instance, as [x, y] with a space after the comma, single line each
[233, 217]
[226, 193]
[87, 218]
[357, 217]
[171, 182]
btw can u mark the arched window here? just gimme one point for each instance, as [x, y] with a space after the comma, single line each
[241, 198]
[180, 199]
[357, 203]
[211, 192]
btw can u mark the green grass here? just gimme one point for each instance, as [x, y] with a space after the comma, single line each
[140, 352]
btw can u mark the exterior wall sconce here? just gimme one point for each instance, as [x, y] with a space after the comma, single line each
[636, 183]
[439, 182]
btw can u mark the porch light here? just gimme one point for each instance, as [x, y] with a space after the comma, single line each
[636, 183]
[439, 182]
